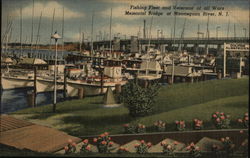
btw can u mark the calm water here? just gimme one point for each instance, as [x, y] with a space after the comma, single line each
[16, 99]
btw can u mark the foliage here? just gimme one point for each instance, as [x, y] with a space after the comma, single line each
[132, 128]
[228, 145]
[140, 101]
[194, 151]
[122, 150]
[70, 148]
[160, 126]
[86, 148]
[198, 124]
[104, 143]
[142, 148]
[180, 125]
[244, 120]
[221, 120]
[168, 149]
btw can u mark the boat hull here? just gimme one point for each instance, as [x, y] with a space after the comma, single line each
[13, 83]
[47, 86]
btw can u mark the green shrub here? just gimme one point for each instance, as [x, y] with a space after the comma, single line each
[139, 100]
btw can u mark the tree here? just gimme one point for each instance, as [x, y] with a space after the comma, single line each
[139, 100]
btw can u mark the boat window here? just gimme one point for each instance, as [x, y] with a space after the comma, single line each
[152, 72]
[142, 72]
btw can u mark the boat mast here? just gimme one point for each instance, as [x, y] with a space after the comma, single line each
[207, 34]
[182, 34]
[148, 58]
[63, 32]
[38, 30]
[80, 38]
[52, 28]
[32, 25]
[92, 24]
[228, 27]
[150, 32]
[110, 32]
[21, 25]
[172, 77]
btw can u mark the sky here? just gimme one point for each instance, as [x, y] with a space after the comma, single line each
[78, 18]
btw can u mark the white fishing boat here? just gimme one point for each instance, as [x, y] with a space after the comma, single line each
[98, 84]
[150, 70]
[47, 85]
[13, 82]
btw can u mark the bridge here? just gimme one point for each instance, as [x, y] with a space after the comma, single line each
[134, 44]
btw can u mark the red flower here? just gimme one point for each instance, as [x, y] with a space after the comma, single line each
[163, 143]
[106, 133]
[240, 120]
[85, 141]
[70, 141]
[222, 113]
[95, 140]
[111, 143]
[149, 144]
[246, 118]
[222, 139]
[214, 115]
[217, 112]
[103, 142]
[125, 125]
[198, 125]
[88, 148]
[66, 148]
[192, 144]
[136, 145]
[169, 146]
[182, 122]
[102, 135]
[142, 141]
[121, 148]
[109, 138]
[222, 117]
[188, 147]
[73, 144]
[177, 122]
[218, 119]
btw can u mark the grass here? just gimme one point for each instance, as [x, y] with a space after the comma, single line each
[181, 101]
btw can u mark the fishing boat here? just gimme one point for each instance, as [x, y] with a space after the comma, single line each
[149, 70]
[23, 75]
[98, 83]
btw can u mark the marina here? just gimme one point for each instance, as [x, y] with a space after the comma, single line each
[158, 76]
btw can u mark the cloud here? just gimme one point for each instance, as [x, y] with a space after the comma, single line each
[47, 10]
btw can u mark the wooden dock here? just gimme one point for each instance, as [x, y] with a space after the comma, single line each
[26, 135]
